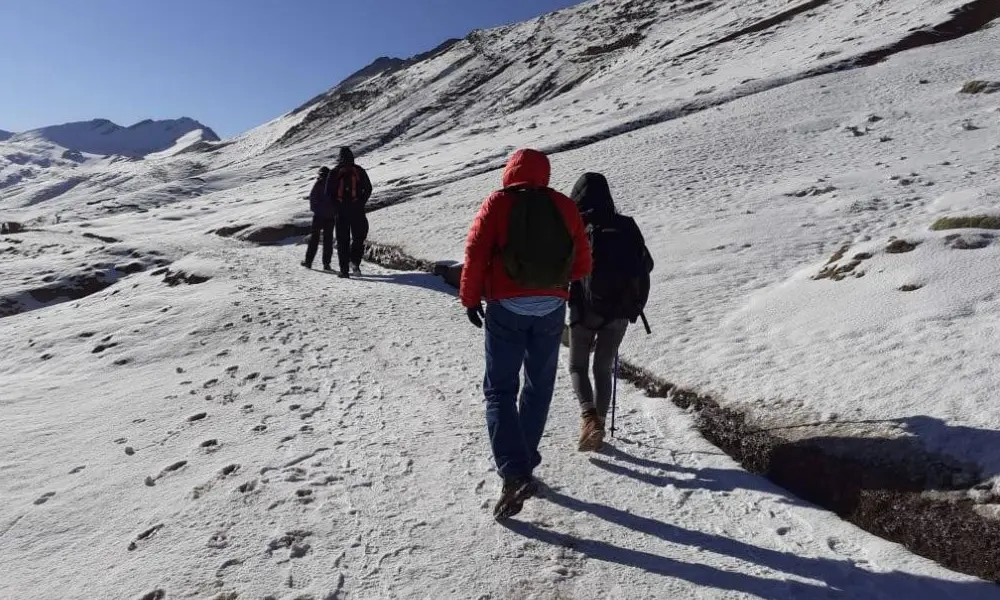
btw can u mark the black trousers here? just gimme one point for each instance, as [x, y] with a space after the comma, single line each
[321, 226]
[352, 231]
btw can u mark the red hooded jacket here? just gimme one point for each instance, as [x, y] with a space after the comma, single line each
[483, 274]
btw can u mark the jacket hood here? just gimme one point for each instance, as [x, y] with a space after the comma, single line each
[527, 167]
[593, 198]
[346, 156]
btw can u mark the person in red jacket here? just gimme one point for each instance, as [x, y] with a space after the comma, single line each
[524, 326]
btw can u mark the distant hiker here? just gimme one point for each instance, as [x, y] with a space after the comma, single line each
[527, 243]
[603, 303]
[324, 219]
[349, 187]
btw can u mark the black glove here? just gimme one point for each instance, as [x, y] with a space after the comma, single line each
[476, 315]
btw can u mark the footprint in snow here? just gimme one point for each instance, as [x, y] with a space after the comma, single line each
[841, 547]
[102, 347]
[77, 469]
[145, 535]
[293, 541]
[218, 541]
[44, 498]
[151, 481]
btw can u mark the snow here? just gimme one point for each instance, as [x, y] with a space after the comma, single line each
[744, 204]
[210, 419]
[101, 136]
[369, 474]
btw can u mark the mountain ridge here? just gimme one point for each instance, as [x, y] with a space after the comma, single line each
[105, 137]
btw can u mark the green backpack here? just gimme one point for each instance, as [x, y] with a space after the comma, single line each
[540, 250]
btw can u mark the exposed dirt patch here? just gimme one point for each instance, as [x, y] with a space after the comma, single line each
[838, 272]
[969, 241]
[900, 247]
[101, 238]
[835, 271]
[271, 235]
[229, 230]
[628, 41]
[392, 257]
[11, 227]
[181, 277]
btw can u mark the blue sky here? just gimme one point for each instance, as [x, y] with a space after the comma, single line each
[232, 64]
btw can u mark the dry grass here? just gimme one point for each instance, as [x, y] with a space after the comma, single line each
[839, 254]
[980, 87]
[973, 222]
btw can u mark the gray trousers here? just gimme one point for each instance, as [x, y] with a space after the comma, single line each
[603, 339]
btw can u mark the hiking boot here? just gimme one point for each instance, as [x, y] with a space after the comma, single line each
[344, 275]
[515, 491]
[591, 432]
[327, 268]
[356, 269]
[306, 264]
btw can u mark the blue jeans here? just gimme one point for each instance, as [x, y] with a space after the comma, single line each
[516, 426]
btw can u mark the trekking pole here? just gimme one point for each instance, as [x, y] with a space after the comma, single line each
[645, 323]
[614, 397]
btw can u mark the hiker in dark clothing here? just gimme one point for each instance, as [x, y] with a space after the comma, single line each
[602, 305]
[324, 219]
[349, 188]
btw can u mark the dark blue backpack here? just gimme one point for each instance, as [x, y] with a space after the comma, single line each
[618, 284]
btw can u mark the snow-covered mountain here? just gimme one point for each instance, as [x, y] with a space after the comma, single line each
[5, 135]
[103, 137]
[190, 414]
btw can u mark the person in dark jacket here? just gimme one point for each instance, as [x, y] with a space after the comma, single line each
[349, 188]
[591, 332]
[324, 220]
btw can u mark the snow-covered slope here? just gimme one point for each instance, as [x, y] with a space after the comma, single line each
[101, 136]
[195, 414]
[5, 135]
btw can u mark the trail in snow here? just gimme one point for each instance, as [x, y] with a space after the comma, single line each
[302, 435]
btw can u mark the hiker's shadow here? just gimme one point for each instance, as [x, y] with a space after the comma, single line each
[661, 474]
[418, 280]
[964, 444]
[837, 576]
